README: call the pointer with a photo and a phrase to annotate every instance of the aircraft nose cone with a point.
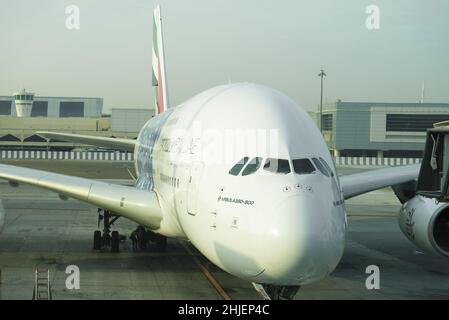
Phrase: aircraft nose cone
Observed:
(305, 242)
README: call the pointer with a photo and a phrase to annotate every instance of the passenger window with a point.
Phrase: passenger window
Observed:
(327, 166)
(321, 167)
(277, 165)
(238, 166)
(252, 166)
(303, 166)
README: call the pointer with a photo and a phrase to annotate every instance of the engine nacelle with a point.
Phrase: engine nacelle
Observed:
(426, 223)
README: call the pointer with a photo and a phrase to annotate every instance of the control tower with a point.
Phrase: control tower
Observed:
(24, 102)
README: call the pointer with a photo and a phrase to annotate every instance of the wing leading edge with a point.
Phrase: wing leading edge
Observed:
(358, 183)
(104, 142)
(140, 206)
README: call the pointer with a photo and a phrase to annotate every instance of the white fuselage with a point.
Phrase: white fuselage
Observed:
(266, 227)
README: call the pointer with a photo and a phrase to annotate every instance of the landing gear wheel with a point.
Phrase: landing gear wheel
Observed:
(105, 239)
(161, 242)
(115, 241)
(97, 240)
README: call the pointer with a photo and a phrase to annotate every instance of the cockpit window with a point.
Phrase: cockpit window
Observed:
(321, 167)
(252, 166)
(327, 166)
(277, 166)
(303, 166)
(235, 170)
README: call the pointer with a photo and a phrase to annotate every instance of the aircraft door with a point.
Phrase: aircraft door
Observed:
(196, 171)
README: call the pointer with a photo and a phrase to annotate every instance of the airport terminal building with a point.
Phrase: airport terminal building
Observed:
(60, 107)
(350, 129)
(374, 129)
(23, 113)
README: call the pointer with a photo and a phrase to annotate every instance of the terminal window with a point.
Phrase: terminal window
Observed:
(413, 122)
(327, 121)
(5, 108)
(39, 109)
(71, 109)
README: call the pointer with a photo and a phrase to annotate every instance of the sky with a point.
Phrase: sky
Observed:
(282, 44)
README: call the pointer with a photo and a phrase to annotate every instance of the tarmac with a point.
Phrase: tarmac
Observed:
(43, 230)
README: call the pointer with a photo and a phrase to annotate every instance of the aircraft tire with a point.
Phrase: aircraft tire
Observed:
(115, 241)
(97, 240)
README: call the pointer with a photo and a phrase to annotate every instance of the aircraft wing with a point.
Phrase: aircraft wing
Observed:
(137, 205)
(110, 143)
(358, 183)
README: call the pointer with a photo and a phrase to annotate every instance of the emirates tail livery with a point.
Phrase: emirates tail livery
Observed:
(272, 214)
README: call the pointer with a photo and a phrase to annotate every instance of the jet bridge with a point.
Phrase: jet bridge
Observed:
(433, 180)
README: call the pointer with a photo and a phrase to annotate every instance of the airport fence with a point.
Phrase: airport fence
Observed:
(368, 161)
(127, 156)
(65, 155)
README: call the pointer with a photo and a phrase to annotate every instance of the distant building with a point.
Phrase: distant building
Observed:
(130, 120)
(24, 113)
(376, 129)
(25, 104)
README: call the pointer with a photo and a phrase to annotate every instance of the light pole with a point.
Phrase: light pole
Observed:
(322, 75)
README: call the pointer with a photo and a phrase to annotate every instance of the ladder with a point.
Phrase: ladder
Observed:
(42, 284)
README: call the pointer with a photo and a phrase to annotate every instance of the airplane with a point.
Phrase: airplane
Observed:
(274, 215)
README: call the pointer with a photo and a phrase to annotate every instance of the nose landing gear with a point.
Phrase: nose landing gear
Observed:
(108, 238)
(273, 292)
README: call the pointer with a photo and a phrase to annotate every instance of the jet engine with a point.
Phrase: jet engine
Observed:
(424, 216)
(425, 222)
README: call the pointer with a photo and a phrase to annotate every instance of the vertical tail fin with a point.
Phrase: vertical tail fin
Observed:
(159, 78)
